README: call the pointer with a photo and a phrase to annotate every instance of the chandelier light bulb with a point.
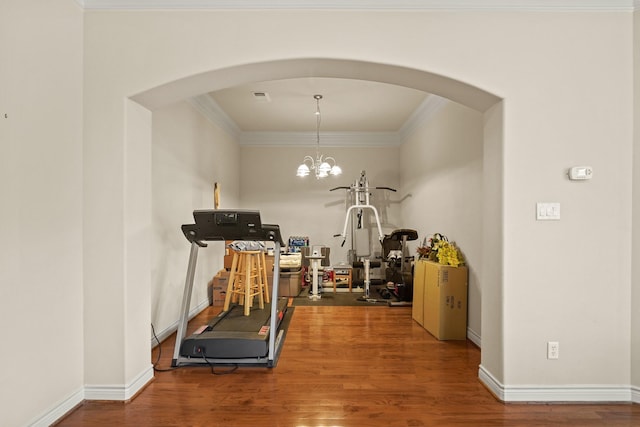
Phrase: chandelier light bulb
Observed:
(324, 167)
(303, 170)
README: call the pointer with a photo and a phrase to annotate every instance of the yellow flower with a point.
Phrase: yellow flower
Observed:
(448, 254)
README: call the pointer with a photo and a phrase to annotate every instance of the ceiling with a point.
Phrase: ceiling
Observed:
(346, 106)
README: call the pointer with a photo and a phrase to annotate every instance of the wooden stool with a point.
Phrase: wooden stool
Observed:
(247, 279)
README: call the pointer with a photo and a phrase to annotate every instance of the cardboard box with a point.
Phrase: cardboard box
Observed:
(417, 306)
(290, 284)
(218, 288)
(269, 263)
(445, 301)
(228, 255)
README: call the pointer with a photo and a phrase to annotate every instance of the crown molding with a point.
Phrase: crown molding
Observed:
(210, 109)
(429, 107)
(327, 139)
(524, 5)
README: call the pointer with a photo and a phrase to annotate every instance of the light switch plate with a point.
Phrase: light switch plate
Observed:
(546, 211)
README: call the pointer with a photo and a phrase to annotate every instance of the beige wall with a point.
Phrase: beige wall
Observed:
(635, 301)
(492, 369)
(441, 168)
(189, 155)
(41, 310)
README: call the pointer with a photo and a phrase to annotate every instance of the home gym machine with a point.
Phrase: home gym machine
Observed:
(231, 338)
(394, 254)
(360, 192)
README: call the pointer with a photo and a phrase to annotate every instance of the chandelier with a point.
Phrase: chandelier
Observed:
(322, 166)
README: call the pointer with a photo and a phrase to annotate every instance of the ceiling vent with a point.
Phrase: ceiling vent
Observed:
(261, 97)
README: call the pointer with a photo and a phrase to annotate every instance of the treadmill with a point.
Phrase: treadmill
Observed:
(231, 338)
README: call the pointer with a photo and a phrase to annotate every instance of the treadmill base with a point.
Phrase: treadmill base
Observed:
(232, 338)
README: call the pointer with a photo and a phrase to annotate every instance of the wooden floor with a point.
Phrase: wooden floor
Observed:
(341, 366)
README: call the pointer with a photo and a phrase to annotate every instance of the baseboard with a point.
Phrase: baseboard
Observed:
(474, 337)
(165, 333)
(123, 393)
(635, 394)
(108, 392)
(489, 381)
(119, 392)
(558, 394)
(59, 410)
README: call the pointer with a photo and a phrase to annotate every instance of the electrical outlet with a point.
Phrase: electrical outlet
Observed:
(553, 350)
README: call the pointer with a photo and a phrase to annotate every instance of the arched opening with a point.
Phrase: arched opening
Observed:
(213, 80)
(488, 104)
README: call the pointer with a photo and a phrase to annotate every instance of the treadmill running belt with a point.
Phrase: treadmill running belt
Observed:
(233, 335)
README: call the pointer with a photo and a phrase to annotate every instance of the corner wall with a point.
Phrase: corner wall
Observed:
(41, 248)
(441, 171)
(189, 155)
(635, 272)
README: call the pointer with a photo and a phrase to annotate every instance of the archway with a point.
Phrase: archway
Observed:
(461, 92)
(213, 80)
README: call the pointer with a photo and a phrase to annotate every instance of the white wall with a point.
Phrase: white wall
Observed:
(635, 301)
(441, 168)
(551, 69)
(190, 154)
(491, 370)
(41, 308)
(305, 206)
(554, 290)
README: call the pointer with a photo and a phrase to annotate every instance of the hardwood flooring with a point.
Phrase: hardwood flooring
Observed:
(341, 367)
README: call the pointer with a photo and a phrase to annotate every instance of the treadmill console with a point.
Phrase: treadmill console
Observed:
(213, 224)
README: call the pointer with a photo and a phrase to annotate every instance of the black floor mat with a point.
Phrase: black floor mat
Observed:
(329, 298)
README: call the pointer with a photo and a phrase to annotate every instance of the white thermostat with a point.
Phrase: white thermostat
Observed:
(578, 173)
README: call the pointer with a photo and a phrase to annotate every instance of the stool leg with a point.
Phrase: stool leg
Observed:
(247, 286)
(265, 281)
(238, 287)
(258, 278)
(335, 283)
